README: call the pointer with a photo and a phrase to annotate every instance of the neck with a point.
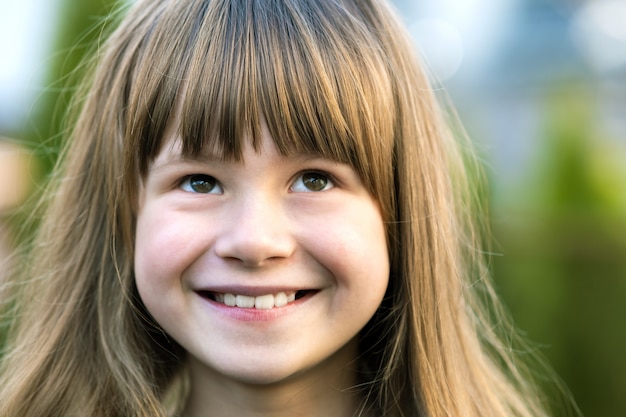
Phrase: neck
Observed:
(327, 390)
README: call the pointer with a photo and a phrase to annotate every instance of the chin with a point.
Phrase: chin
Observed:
(264, 374)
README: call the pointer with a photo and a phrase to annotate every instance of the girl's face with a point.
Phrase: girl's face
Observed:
(262, 269)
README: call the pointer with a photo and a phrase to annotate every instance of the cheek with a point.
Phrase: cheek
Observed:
(371, 257)
(148, 264)
(163, 247)
(354, 249)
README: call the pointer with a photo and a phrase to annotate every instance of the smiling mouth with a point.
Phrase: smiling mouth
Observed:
(261, 302)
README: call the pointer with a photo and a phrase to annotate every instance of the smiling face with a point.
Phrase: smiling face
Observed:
(262, 269)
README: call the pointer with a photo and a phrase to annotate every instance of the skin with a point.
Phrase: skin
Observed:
(268, 224)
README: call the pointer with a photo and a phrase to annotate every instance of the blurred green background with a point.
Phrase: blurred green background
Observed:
(541, 87)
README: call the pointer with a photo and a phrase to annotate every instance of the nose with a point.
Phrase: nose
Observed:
(255, 233)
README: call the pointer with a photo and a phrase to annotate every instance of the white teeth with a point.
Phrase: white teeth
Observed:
(280, 299)
(230, 300)
(262, 302)
(244, 301)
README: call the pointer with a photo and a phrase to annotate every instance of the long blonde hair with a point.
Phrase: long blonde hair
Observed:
(339, 78)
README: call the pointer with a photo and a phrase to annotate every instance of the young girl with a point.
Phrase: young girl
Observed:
(260, 212)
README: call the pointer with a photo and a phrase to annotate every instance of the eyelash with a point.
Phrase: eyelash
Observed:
(328, 181)
(320, 179)
(186, 184)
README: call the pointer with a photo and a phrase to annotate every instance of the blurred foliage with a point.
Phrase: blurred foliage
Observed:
(563, 273)
(77, 33)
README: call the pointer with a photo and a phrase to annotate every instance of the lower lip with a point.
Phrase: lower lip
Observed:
(257, 315)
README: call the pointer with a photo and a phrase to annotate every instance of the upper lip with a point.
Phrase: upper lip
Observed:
(251, 291)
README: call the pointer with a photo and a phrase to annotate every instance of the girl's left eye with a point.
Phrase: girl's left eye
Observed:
(201, 184)
(310, 182)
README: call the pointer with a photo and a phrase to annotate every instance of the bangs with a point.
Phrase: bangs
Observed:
(313, 72)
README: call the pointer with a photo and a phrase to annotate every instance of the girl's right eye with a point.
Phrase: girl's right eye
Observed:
(201, 184)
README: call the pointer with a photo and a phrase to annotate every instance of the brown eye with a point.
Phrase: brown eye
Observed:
(201, 184)
(312, 182)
